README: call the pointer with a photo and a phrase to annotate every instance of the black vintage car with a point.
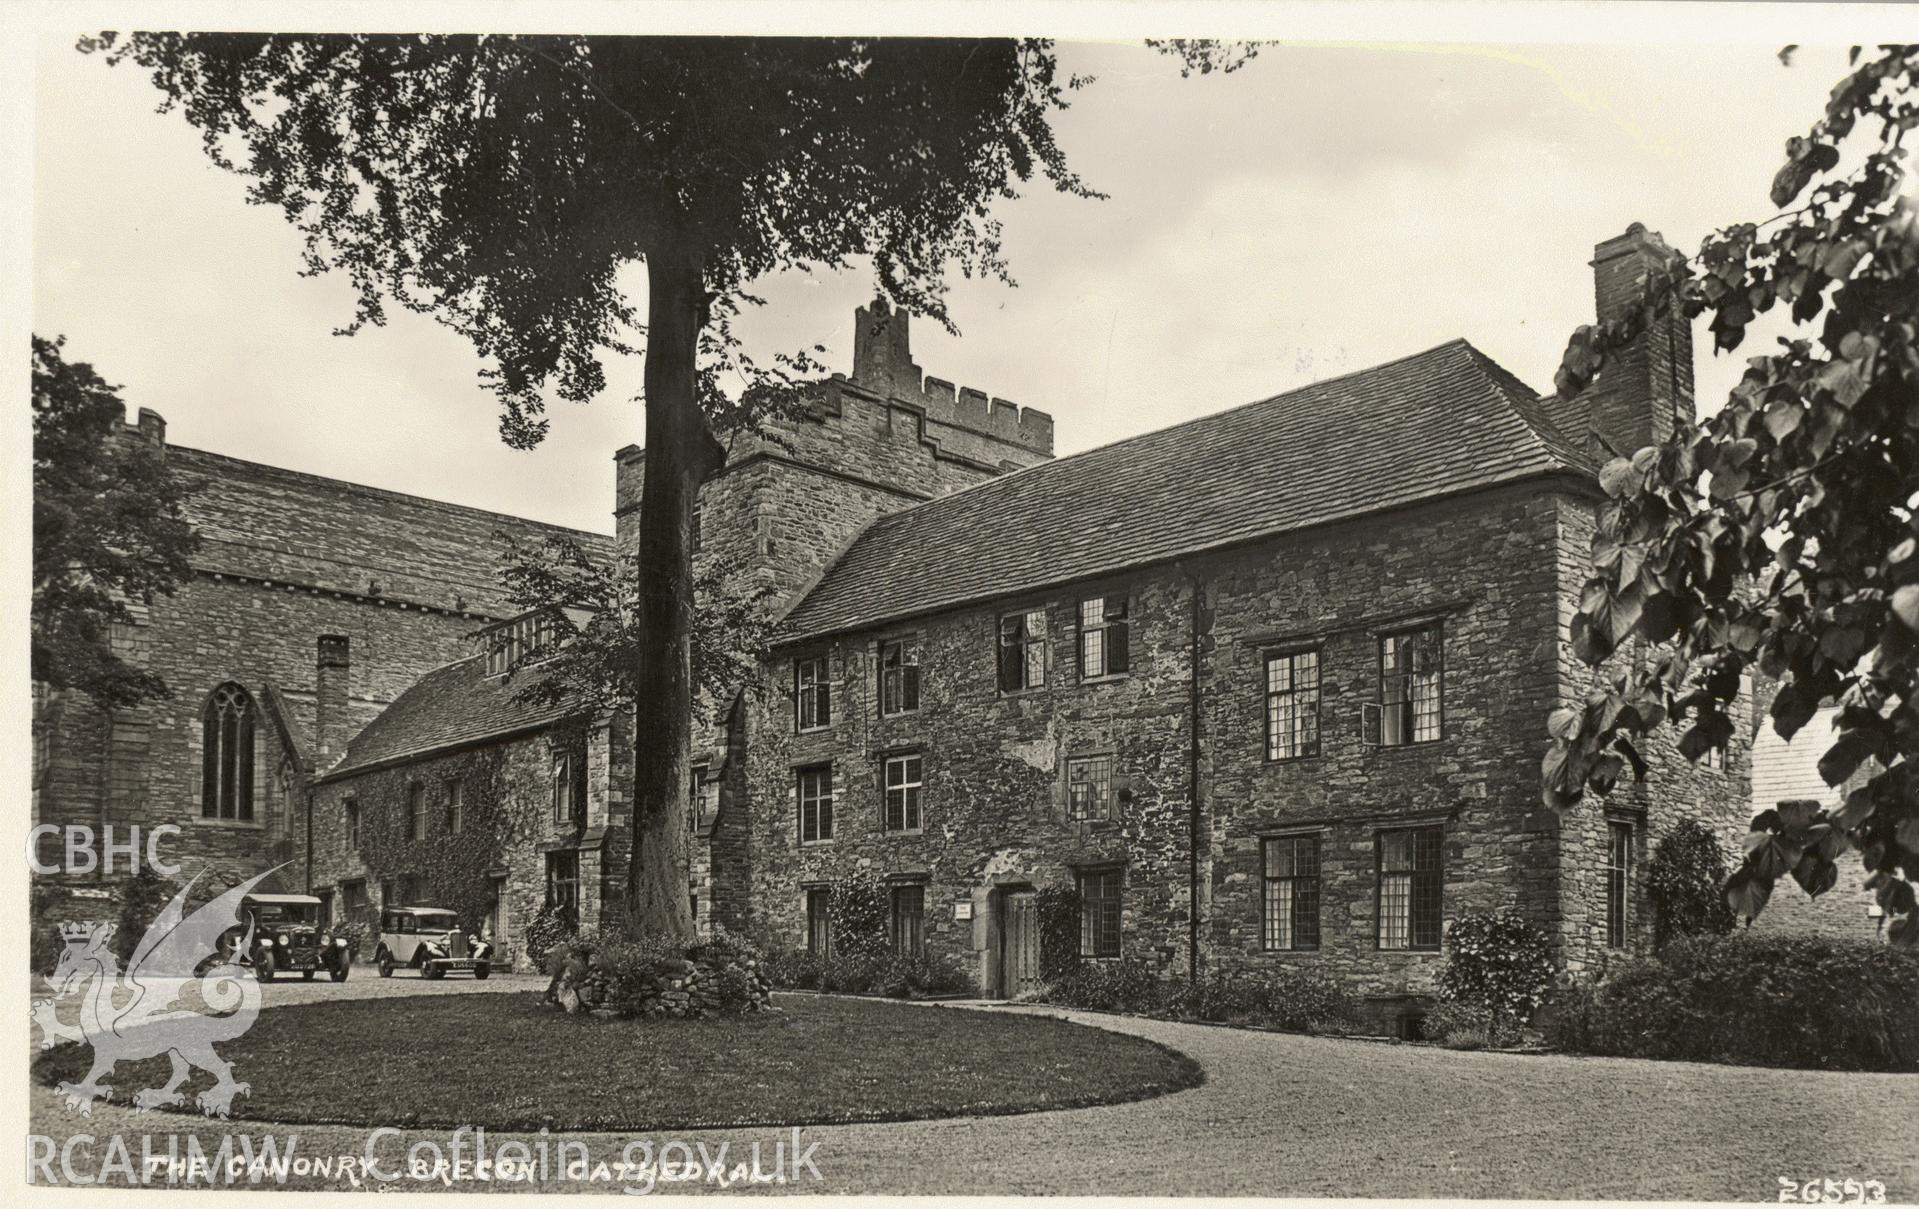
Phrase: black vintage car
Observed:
(287, 937)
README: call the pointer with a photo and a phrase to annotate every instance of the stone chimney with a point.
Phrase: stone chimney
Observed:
(153, 428)
(1645, 389)
(882, 351)
(331, 727)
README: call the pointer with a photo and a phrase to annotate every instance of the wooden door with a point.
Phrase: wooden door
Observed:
(1018, 943)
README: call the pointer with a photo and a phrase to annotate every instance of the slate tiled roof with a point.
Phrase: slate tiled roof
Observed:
(292, 527)
(1436, 423)
(447, 707)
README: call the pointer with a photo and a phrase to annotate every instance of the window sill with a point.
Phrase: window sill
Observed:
(1108, 678)
(1312, 952)
(1420, 745)
(816, 843)
(896, 715)
(1407, 952)
(1273, 762)
(234, 824)
(1008, 694)
(813, 730)
(891, 832)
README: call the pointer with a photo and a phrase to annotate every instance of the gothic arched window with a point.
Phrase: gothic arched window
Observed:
(226, 754)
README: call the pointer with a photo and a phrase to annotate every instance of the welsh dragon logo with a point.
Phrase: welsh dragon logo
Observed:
(136, 1014)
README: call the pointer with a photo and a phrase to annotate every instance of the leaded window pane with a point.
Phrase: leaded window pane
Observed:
(1292, 705)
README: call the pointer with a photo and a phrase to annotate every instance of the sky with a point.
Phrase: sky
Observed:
(1324, 209)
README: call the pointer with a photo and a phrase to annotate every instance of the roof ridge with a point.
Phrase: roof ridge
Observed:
(974, 488)
(388, 492)
(438, 711)
(1431, 424)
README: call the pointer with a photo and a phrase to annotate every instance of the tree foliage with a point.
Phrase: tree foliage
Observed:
(1204, 56)
(1779, 534)
(1685, 879)
(503, 184)
(585, 652)
(108, 529)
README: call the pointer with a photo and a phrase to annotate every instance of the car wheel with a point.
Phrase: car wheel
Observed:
(386, 965)
(338, 972)
(307, 974)
(433, 970)
(263, 969)
(482, 970)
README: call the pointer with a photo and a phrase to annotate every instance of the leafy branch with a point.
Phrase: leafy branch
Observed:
(1778, 535)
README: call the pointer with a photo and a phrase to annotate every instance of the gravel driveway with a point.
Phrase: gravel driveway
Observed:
(1279, 1116)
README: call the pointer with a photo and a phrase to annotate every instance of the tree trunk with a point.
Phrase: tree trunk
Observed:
(680, 453)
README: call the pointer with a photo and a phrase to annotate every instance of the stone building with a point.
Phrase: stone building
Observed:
(1787, 771)
(313, 604)
(1267, 688)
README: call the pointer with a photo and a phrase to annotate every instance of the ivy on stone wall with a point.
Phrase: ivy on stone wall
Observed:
(859, 912)
(1685, 880)
(1058, 908)
(502, 802)
(1497, 962)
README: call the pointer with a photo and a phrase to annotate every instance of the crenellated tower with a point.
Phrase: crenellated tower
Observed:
(789, 500)
(884, 438)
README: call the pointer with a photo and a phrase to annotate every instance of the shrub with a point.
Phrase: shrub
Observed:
(142, 897)
(1568, 1026)
(353, 932)
(1498, 962)
(1293, 1000)
(792, 969)
(551, 927)
(918, 977)
(734, 987)
(857, 915)
(1458, 1025)
(1058, 909)
(633, 970)
(868, 974)
(850, 974)
(1685, 882)
(721, 947)
(1309, 1003)
(1216, 996)
(1111, 986)
(1755, 999)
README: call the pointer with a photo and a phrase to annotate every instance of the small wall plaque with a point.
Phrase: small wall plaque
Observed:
(962, 910)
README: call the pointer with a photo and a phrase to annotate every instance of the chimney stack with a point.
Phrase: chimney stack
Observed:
(1645, 390)
(882, 351)
(330, 723)
(153, 428)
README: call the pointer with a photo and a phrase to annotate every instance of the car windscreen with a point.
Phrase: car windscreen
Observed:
(269, 915)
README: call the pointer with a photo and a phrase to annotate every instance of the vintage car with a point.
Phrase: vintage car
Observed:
(282, 935)
(430, 940)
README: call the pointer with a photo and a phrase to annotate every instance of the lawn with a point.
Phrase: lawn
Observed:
(504, 1062)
